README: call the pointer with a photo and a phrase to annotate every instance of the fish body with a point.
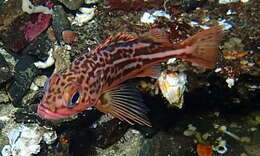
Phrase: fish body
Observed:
(95, 78)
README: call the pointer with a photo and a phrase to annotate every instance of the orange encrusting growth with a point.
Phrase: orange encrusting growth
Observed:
(204, 150)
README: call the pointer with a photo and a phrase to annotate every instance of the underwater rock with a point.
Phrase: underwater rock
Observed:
(41, 22)
(60, 22)
(4, 70)
(9, 58)
(132, 5)
(25, 72)
(109, 133)
(128, 145)
(20, 28)
(39, 47)
(10, 10)
(72, 5)
(3, 97)
(164, 143)
(25, 140)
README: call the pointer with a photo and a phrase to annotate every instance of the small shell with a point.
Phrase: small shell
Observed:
(87, 10)
(82, 18)
(173, 86)
(69, 36)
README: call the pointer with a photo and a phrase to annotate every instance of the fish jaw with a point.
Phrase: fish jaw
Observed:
(45, 113)
(60, 113)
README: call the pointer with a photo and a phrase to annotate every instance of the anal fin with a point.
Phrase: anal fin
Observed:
(115, 38)
(125, 103)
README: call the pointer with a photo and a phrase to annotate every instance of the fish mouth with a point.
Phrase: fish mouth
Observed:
(45, 113)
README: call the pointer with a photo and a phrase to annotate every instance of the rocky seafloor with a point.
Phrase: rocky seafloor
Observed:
(221, 109)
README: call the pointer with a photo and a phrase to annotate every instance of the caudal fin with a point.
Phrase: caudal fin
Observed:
(204, 49)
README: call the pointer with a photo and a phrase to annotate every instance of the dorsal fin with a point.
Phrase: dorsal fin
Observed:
(115, 38)
(157, 35)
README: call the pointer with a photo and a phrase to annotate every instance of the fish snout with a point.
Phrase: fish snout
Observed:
(46, 113)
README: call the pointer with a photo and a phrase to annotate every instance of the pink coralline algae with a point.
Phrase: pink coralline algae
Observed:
(37, 25)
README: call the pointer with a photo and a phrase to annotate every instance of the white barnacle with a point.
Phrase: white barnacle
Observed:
(173, 86)
(226, 25)
(24, 140)
(85, 15)
(190, 131)
(49, 62)
(28, 7)
(230, 82)
(150, 18)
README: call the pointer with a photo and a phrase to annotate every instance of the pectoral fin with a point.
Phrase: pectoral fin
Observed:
(125, 103)
(153, 72)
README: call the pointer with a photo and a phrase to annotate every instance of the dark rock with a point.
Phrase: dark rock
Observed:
(131, 5)
(5, 73)
(167, 144)
(18, 28)
(109, 133)
(60, 22)
(25, 72)
(39, 47)
(4, 99)
(10, 10)
(72, 5)
(189, 5)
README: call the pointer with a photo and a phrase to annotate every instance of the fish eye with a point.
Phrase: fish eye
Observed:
(74, 99)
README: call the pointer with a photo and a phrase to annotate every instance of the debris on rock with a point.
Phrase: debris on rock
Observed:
(151, 18)
(25, 140)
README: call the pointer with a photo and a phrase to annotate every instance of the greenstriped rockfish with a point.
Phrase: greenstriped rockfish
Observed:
(97, 78)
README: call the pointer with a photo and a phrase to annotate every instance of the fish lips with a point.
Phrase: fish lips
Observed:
(45, 113)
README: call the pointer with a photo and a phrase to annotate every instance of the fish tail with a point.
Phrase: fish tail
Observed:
(202, 48)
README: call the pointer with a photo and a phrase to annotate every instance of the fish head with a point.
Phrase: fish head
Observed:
(61, 99)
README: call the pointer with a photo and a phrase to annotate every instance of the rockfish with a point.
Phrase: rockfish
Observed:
(97, 78)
